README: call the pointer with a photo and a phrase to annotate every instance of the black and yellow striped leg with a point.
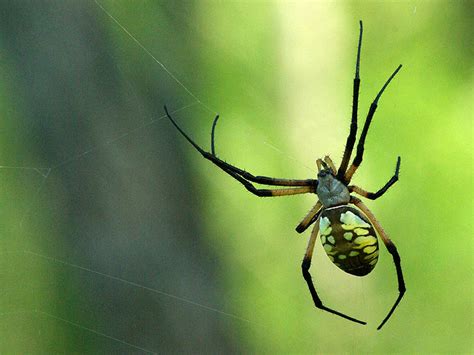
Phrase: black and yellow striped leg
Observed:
(375, 195)
(310, 218)
(360, 145)
(392, 249)
(307, 276)
(265, 180)
(355, 103)
(270, 192)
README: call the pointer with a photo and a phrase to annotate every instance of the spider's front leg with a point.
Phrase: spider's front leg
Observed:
(246, 178)
(360, 146)
(270, 192)
(307, 276)
(376, 195)
(355, 104)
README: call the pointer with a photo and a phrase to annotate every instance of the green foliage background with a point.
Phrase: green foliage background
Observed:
(280, 74)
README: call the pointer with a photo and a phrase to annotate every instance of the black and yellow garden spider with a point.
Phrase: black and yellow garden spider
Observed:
(347, 234)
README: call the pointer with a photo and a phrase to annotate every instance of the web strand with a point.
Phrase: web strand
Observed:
(76, 325)
(44, 172)
(90, 330)
(116, 139)
(136, 285)
(190, 93)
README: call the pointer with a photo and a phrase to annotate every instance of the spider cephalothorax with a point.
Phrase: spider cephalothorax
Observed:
(348, 234)
(331, 191)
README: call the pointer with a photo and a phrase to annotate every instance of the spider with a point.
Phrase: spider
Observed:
(348, 234)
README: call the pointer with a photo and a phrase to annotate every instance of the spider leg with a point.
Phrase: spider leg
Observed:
(264, 180)
(329, 162)
(214, 123)
(270, 192)
(307, 276)
(310, 218)
(360, 146)
(392, 249)
(375, 195)
(355, 104)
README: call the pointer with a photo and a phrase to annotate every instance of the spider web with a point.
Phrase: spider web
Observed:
(108, 291)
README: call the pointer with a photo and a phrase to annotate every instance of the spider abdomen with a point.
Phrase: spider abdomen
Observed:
(349, 239)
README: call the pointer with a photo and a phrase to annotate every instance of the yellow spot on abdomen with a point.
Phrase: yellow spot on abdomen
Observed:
(361, 231)
(350, 221)
(329, 249)
(372, 256)
(325, 226)
(370, 250)
(348, 235)
(365, 241)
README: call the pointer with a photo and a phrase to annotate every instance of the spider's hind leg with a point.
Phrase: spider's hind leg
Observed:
(307, 276)
(392, 249)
